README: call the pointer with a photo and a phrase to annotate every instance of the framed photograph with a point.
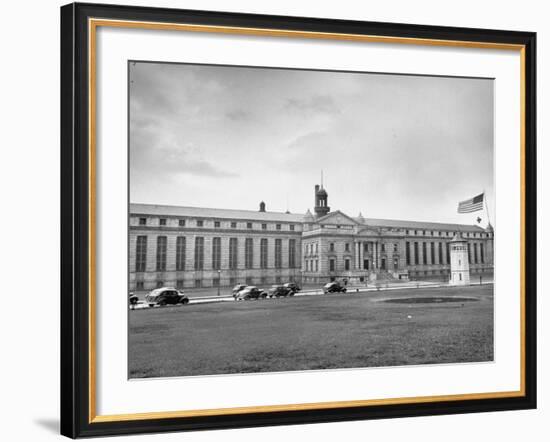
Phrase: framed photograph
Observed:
(273, 220)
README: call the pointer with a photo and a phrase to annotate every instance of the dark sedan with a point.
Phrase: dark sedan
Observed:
(334, 287)
(164, 296)
(293, 286)
(133, 299)
(250, 292)
(277, 291)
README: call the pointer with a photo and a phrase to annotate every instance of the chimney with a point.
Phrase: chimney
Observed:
(262, 206)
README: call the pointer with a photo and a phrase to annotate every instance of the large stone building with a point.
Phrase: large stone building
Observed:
(201, 247)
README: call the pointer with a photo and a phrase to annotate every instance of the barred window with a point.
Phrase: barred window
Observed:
(142, 221)
(161, 253)
(278, 253)
(263, 253)
(200, 223)
(248, 225)
(248, 253)
(216, 253)
(162, 221)
(232, 253)
(331, 247)
(216, 224)
(331, 265)
(141, 253)
(278, 226)
(181, 223)
(180, 253)
(424, 254)
(199, 253)
(264, 226)
(292, 227)
(292, 253)
(408, 253)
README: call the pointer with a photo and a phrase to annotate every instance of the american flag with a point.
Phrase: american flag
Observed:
(472, 205)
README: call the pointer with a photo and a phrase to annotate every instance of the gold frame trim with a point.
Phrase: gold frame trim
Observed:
(93, 24)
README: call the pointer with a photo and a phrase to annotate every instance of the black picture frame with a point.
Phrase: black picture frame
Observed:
(76, 219)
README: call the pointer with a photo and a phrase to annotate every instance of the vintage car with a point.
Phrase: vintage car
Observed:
(277, 291)
(164, 296)
(133, 298)
(334, 287)
(237, 289)
(250, 292)
(293, 286)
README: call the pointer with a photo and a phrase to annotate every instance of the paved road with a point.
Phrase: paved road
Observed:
(319, 291)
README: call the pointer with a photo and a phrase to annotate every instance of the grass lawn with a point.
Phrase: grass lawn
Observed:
(312, 332)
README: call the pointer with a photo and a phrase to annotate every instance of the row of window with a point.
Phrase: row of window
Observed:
(143, 221)
(312, 248)
(449, 234)
(412, 253)
(312, 265)
(217, 224)
(198, 262)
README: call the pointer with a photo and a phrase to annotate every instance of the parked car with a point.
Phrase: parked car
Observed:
(251, 292)
(279, 290)
(237, 289)
(293, 286)
(133, 298)
(164, 296)
(334, 287)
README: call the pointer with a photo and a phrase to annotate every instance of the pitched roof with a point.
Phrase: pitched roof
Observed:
(204, 212)
(404, 224)
(252, 215)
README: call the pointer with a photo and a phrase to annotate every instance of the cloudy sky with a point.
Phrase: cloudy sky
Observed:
(390, 146)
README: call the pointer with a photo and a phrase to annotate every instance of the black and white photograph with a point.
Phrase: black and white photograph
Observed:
(291, 219)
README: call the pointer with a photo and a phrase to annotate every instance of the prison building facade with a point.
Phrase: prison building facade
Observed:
(191, 247)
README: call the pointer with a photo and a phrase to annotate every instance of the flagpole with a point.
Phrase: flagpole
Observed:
(486, 206)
